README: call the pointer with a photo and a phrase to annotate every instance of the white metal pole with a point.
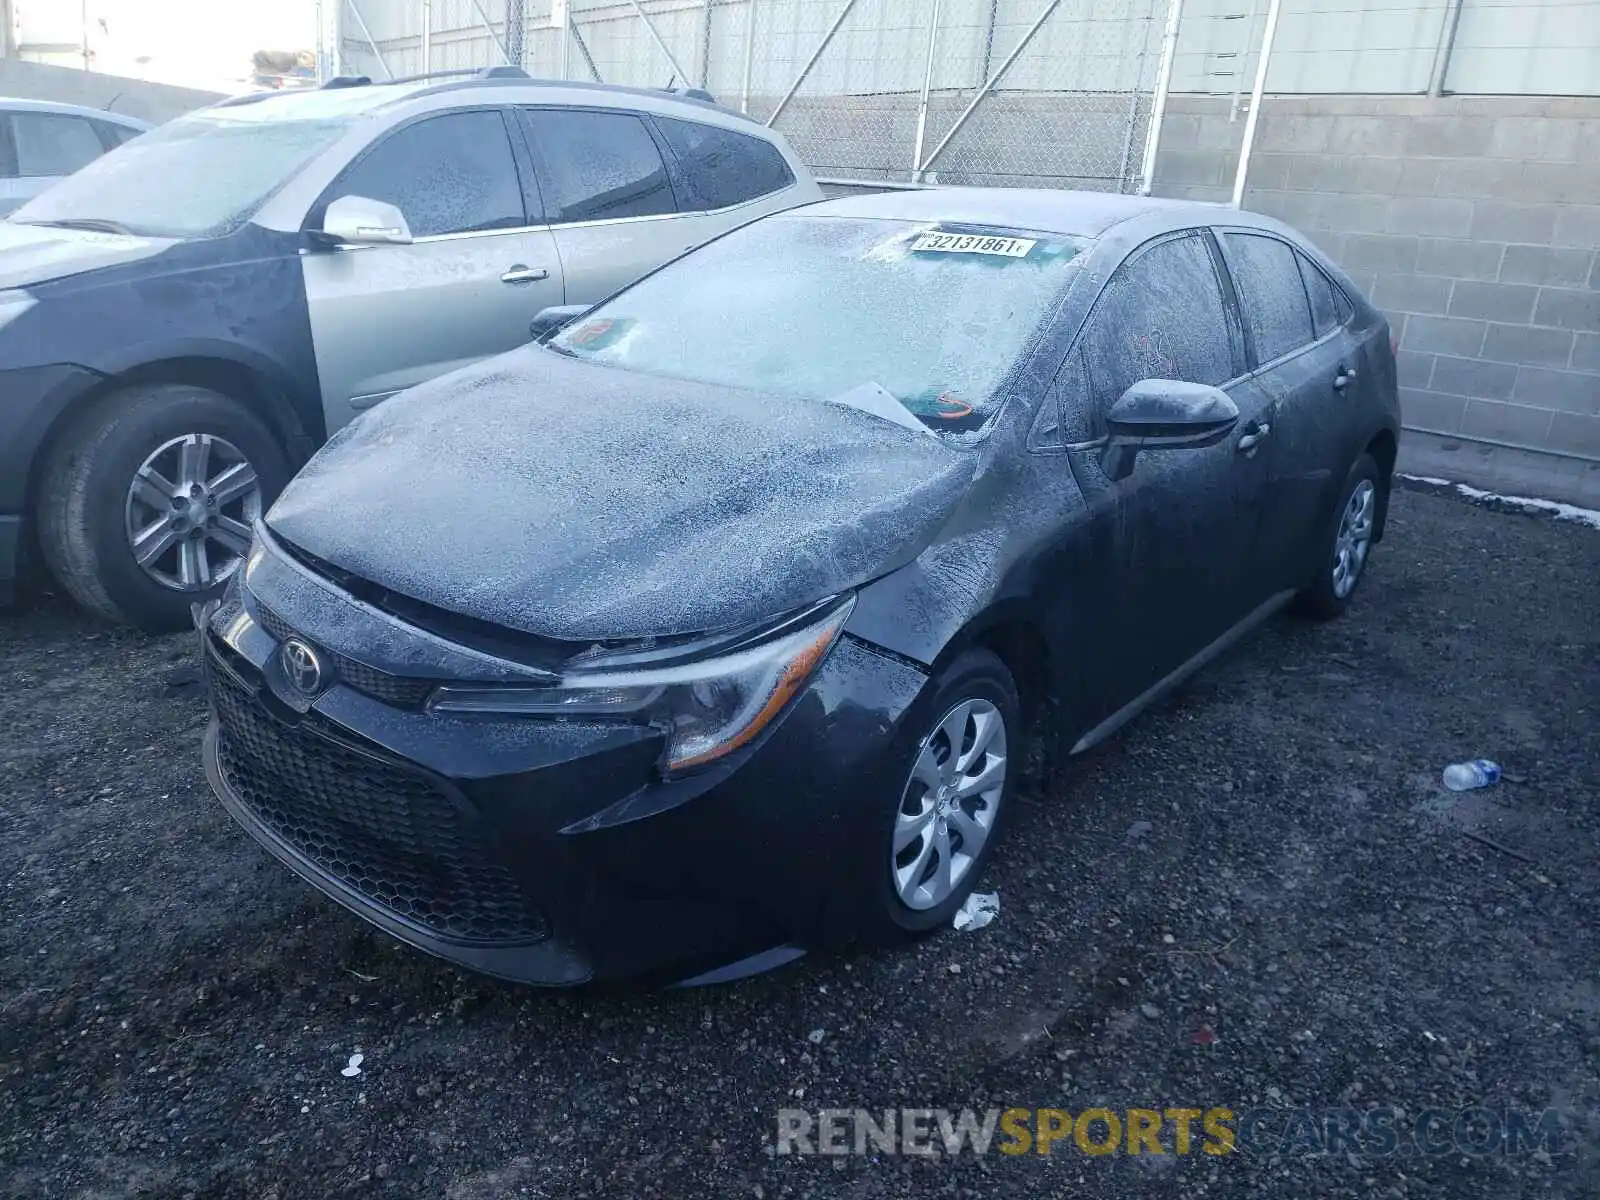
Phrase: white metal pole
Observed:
(922, 103)
(1265, 60)
(1441, 54)
(749, 55)
(1158, 109)
(563, 14)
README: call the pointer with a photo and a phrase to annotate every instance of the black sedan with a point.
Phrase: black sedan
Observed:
(710, 628)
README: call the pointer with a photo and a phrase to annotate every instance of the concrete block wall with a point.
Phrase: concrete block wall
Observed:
(1474, 223)
(154, 102)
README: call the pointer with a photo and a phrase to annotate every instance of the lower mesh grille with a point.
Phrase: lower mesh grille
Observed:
(400, 838)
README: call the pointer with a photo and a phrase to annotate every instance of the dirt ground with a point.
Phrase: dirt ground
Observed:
(1257, 895)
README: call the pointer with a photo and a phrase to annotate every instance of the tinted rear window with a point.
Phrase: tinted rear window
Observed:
(721, 167)
(1328, 304)
(599, 165)
(1267, 277)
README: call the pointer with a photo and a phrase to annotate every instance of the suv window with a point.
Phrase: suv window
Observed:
(1328, 305)
(53, 144)
(722, 167)
(1160, 317)
(600, 165)
(452, 173)
(1267, 277)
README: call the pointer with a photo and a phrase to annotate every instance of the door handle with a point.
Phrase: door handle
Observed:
(1343, 378)
(521, 274)
(1249, 442)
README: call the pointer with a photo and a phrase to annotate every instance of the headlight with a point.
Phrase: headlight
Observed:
(708, 708)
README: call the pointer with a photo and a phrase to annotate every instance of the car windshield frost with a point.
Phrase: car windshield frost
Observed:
(201, 175)
(818, 307)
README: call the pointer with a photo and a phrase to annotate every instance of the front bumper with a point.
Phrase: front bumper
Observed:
(545, 851)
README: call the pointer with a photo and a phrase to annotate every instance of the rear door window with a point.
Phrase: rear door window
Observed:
(1162, 316)
(599, 165)
(1329, 308)
(53, 143)
(1266, 275)
(721, 167)
(447, 174)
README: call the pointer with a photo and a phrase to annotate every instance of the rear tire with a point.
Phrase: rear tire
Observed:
(976, 696)
(1346, 540)
(90, 511)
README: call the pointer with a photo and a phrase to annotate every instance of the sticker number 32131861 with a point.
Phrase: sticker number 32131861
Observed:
(973, 243)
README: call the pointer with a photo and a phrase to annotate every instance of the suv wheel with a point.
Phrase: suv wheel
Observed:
(149, 498)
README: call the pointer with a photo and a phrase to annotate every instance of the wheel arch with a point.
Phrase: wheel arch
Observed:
(258, 385)
(1010, 631)
(1384, 446)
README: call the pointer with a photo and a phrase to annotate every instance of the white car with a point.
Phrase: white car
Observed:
(42, 142)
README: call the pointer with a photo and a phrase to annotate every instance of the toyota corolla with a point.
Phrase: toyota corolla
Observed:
(711, 626)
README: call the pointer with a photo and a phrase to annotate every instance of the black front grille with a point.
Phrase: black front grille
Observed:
(401, 838)
(398, 690)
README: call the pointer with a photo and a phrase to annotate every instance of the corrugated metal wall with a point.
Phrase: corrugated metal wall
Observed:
(1500, 47)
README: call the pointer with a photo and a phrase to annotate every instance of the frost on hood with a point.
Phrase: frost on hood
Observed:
(581, 502)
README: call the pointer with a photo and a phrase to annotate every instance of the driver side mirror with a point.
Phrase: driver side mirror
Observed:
(360, 221)
(552, 320)
(1164, 414)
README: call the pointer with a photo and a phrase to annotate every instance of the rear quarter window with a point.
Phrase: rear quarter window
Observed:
(1329, 307)
(722, 167)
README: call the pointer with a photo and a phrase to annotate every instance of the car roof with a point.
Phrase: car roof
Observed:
(356, 94)
(1050, 210)
(23, 104)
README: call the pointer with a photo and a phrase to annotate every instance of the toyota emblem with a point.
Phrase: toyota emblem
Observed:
(301, 667)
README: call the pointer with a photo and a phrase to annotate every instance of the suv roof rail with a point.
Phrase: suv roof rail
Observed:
(503, 72)
(691, 93)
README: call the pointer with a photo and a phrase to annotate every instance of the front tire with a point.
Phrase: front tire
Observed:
(960, 756)
(1346, 543)
(148, 499)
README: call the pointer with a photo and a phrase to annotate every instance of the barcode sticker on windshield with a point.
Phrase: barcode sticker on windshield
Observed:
(974, 243)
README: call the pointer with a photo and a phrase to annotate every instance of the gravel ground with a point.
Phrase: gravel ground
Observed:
(1257, 895)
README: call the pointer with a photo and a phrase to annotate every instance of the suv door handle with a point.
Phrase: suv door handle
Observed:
(1343, 378)
(521, 274)
(1257, 435)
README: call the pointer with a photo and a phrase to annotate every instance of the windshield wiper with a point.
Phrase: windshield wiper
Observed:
(93, 224)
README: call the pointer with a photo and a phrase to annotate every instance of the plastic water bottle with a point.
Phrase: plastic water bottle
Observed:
(1464, 776)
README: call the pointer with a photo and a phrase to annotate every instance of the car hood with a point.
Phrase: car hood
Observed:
(39, 253)
(587, 503)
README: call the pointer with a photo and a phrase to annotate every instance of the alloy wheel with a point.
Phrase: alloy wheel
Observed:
(189, 512)
(1354, 539)
(949, 804)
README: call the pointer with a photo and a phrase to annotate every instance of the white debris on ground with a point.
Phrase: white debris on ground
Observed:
(354, 1067)
(1528, 504)
(978, 911)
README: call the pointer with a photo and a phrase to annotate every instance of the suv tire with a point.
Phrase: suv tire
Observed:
(187, 445)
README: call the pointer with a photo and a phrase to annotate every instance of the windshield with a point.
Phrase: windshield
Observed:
(827, 307)
(201, 175)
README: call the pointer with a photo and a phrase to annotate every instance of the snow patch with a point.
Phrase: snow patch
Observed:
(1527, 504)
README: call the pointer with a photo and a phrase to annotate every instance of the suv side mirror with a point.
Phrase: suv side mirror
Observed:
(552, 320)
(1164, 414)
(360, 221)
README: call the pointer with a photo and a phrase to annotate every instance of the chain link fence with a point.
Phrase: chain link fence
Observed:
(998, 92)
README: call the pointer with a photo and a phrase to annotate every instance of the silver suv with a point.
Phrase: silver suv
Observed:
(191, 315)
